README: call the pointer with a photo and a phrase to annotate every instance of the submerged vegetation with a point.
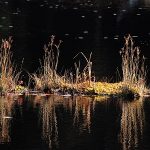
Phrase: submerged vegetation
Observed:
(80, 81)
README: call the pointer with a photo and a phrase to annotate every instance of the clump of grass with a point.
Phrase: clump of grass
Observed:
(8, 74)
(134, 74)
(48, 76)
(82, 81)
(133, 66)
(110, 89)
(86, 74)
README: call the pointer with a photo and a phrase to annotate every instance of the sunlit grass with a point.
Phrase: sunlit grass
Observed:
(104, 88)
(82, 82)
(48, 76)
(8, 74)
(133, 66)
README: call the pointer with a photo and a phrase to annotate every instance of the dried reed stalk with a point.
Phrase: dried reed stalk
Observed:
(8, 74)
(133, 65)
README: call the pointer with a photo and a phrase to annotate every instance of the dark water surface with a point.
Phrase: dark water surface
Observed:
(83, 25)
(78, 123)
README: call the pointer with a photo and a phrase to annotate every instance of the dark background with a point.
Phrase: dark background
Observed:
(88, 26)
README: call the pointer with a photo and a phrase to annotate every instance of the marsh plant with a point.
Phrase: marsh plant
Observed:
(48, 76)
(8, 74)
(133, 66)
(80, 80)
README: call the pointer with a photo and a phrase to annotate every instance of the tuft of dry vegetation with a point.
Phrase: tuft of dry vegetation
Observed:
(81, 81)
(48, 76)
(133, 66)
(8, 74)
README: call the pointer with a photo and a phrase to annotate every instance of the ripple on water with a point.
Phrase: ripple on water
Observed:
(6, 2)
(41, 5)
(105, 37)
(50, 6)
(134, 36)
(56, 5)
(85, 32)
(3, 17)
(10, 26)
(15, 13)
(114, 14)
(99, 17)
(66, 34)
(75, 8)
(80, 37)
(82, 16)
(95, 11)
(116, 37)
(124, 10)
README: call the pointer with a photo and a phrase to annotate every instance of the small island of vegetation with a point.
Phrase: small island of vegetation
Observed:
(80, 82)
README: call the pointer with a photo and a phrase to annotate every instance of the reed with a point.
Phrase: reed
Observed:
(8, 73)
(133, 66)
(85, 75)
(81, 80)
(48, 76)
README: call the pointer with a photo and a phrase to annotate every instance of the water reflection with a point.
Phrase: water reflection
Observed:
(84, 107)
(79, 108)
(6, 105)
(49, 122)
(132, 124)
(76, 117)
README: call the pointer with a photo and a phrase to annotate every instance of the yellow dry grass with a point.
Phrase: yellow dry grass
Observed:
(133, 71)
(8, 75)
(112, 88)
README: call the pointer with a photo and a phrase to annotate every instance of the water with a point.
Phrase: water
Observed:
(79, 123)
(57, 122)
(86, 26)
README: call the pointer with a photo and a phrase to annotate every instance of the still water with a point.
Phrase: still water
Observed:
(78, 123)
(96, 26)
(73, 123)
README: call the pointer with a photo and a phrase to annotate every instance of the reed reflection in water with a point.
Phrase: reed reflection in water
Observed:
(6, 110)
(84, 107)
(79, 108)
(132, 124)
(49, 122)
